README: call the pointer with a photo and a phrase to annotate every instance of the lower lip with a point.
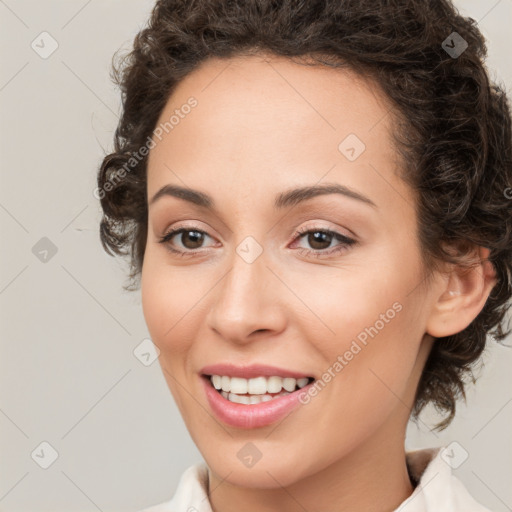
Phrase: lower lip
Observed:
(251, 415)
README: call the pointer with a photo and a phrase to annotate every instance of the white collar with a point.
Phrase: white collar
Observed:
(437, 490)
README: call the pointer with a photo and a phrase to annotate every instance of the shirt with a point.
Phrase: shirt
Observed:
(437, 490)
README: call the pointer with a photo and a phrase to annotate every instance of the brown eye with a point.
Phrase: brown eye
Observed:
(190, 240)
(319, 240)
(192, 237)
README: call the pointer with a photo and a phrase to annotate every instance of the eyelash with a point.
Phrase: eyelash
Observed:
(345, 241)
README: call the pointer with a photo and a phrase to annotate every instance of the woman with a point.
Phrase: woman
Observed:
(342, 167)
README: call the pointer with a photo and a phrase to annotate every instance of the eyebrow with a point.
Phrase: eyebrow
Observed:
(285, 199)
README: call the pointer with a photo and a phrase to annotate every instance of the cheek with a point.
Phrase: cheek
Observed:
(376, 326)
(164, 306)
(358, 306)
(374, 360)
(153, 298)
(165, 309)
(366, 285)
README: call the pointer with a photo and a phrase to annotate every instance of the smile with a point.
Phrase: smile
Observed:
(252, 397)
(256, 390)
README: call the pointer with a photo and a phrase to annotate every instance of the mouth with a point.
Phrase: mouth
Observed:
(255, 390)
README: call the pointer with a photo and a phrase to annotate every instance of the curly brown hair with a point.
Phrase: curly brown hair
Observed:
(453, 130)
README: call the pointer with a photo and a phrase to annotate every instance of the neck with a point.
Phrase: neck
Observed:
(373, 478)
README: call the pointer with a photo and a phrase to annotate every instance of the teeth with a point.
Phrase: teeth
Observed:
(237, 399)
(274, 384)
(289, 384)
(251, 399)
(216, 381)
(302, 382)
(257, 387)
(238, 385)
(226, 383)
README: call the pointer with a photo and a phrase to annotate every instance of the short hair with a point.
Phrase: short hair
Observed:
(452, 126)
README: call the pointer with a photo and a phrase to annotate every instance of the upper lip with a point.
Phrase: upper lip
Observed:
(250, 371)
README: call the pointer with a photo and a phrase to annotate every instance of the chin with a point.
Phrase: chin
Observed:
(270, 474)
(272, 466)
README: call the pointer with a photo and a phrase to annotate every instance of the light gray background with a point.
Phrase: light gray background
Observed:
(68, 331)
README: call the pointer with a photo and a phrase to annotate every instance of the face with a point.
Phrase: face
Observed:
(269, 283)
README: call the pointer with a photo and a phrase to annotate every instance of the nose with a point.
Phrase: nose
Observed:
(247, 302)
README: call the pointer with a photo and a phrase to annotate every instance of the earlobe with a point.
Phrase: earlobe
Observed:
(463, 295)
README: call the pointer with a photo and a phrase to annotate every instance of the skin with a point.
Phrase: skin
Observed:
(263, 125)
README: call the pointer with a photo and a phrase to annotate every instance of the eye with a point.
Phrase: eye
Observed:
(321, 239)
(191, 238)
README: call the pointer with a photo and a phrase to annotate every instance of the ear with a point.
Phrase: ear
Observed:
(463, 294)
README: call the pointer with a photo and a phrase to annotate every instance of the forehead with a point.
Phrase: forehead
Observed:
(262, 119)
(252, 87)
